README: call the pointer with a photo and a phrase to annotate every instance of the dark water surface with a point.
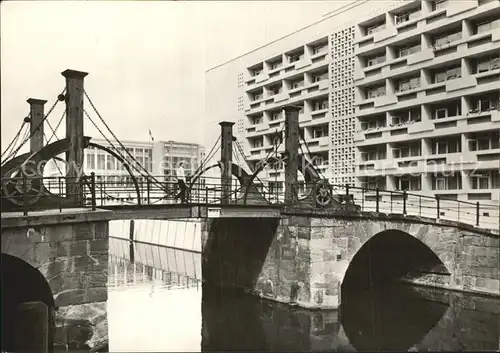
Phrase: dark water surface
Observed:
(156, 303)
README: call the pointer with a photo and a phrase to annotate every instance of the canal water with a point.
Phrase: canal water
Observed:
(156, 303)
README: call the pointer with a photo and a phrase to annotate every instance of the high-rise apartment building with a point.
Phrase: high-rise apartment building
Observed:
(392, 94)
(427, 98)
(312, 68)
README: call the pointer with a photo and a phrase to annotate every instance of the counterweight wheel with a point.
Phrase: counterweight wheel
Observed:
(323, 194)
(13, 188)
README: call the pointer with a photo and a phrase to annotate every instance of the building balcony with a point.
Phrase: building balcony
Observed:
(421, 56)
(319, 54)
(385, 100)
(302, 63)
(384, 34)
(456, 7)
(414, 17)
(461, 83)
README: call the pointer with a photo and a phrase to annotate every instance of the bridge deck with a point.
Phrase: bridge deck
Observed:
(179, 211)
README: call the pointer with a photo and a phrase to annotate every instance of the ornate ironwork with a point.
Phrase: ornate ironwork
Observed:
(22, 177)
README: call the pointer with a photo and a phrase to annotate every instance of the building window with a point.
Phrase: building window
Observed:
(90, 161)
(101, 162)
(446, 74)
(452, 145)
(451, 109)
(406, 16)
(373, 92)
(296, 84)
(480, 180)
(495, 179)
(374, 28)
(373, 183)
(256, 96)
(373, 123)
(110, 162)
(275, 115)
(486, 103)
(409, 150)
(318, 132)
(445, 39)
(407, 84)
(320, 105)
(453, 182)
(408, 183)
(320, 48)
(405, 117)
(257, 143)
(373, 155)
(484, 142)
(487, 63)
(486, 25)
(408, 50)
(256, 120)
(140, 161)
(375, 59)
(295, 57)
(276, 65)
(439, 5)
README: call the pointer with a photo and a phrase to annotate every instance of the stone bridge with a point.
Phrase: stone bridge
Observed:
(308, 258)
(60, 259)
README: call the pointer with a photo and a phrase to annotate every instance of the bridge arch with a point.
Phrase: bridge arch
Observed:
(21, 283)
(390, 255)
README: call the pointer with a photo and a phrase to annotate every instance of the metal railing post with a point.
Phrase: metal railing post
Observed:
(377, 195)
(437, 206)
(346, 193)
(25, 196)
(390, 195)
(206, 195)
(148, 187)
(60, 193)
(314, 193)
(404, 201)
(100, 192)
(92, 190)
(420, 205)
(477, 213)
(363, 200)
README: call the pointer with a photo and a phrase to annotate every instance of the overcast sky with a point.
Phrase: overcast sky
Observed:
(146, 60)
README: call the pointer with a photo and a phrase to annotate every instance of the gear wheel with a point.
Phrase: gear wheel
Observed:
(13, 188)
(323, 194)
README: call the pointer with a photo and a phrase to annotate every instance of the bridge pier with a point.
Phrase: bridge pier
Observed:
(60, 259)
(292, 153)
(226, 156)
(74, 132)
(36, 124)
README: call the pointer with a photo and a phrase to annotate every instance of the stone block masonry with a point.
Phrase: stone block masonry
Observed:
(70, 250)
(304, 259)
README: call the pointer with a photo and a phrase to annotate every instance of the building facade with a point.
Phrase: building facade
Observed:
(395, 95)
(159, 159)
(427, 99)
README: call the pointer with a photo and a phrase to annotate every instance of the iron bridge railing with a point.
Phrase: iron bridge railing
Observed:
(34, 193)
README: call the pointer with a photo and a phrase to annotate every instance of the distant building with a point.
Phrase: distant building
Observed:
(159, 159)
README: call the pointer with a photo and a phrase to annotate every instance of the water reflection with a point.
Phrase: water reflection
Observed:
(156, 304)
(398, 318)
(154, 298)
